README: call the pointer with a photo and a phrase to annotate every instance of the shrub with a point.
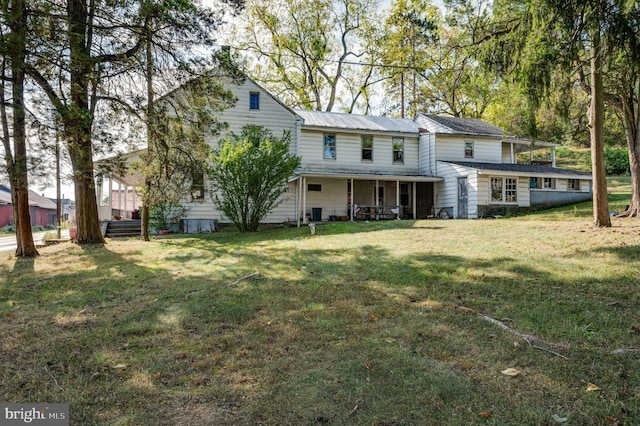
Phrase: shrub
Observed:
(616, 161)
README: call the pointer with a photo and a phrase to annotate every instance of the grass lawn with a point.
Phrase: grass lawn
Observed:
(362, 324)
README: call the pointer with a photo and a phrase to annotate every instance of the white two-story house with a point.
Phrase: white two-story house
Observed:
(356, 167)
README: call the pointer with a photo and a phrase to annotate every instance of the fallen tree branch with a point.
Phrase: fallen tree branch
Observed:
(239, 280)
(46, 370)
(355, 408)
(526, 337)
(625, 351)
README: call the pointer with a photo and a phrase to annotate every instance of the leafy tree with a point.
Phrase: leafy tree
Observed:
(528, 40)
(409, 31)
(249, 175)
(174, 164)
(305, 50)
(91, 62)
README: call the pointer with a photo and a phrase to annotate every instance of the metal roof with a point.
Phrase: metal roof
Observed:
(521, 168)
(457, 125)
(334, 120)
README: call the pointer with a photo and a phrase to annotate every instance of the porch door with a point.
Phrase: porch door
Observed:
(380, 198)
(424, 199)
(463, 198)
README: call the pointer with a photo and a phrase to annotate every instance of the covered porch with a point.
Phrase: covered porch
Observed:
(116, 189)
(330, 196)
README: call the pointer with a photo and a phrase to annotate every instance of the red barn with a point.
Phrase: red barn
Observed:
(42, 209)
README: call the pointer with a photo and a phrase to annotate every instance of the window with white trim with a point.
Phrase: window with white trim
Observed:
(534, 183)
(504, 190)
(549, 183)
(573, 184)
(468, 149)
(329, 150)
(367, 148)
(254, 100)
(398, 150)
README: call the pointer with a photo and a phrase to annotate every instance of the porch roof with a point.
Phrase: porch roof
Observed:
(520, 169)
(367, 175)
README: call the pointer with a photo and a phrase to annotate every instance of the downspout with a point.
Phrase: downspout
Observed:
(553, 156)
(352, 198)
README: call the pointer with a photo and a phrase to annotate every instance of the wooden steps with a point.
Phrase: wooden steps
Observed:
(123, 228)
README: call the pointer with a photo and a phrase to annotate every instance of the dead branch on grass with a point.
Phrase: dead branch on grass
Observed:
(239, 280)
(46, 370)
(526, 337)
(624, 351)
(355, 408)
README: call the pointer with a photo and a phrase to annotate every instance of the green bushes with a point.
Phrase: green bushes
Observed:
(616, 161)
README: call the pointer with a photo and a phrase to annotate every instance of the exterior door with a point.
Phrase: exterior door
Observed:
(424, 200)
(463, 198)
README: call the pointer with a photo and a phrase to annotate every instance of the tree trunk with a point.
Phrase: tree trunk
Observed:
(8, 157)
(631, 120)
(16, 42)
(596, 130)
(78, 126)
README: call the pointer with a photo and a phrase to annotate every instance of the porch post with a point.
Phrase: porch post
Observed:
(126, 199)
(119, 199)
(110, 198)
(304, 201)
(376, 193)
(414, 201)
(352, 208)
(512, 156)
(398, 199)
(298, 200)
(553, 156)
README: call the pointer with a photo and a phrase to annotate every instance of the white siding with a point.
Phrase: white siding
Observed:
(272, 115)
(349, 152)
(332, 199)
(426, 144)
(484, 150)
(447, 190)
(484, 190)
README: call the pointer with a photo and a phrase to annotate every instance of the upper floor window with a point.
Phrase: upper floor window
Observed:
(504, 190)
(398, 150)
(314, 187)
(197, 186)
(367, 148)
(468, 150)
(329, 150)
(573, 184)
(549, 183)
(254, 100)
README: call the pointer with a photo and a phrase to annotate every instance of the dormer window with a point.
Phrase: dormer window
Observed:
(468, 150)
(254, 100)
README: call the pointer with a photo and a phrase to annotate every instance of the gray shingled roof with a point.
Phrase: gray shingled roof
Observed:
(473, 126)
(521, 168)
(334, 120)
